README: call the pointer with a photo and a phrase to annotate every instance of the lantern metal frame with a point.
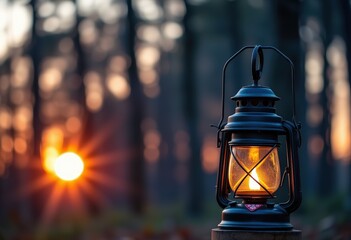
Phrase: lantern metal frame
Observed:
(245, 130)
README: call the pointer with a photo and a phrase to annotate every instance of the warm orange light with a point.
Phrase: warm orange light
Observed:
(50, 155)
(51, 144)
(253, 185)
(68, 166)
(266, 172)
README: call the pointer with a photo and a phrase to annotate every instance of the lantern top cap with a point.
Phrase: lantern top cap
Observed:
(255, 91)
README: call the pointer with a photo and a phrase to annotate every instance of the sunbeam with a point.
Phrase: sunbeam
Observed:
(52, 204)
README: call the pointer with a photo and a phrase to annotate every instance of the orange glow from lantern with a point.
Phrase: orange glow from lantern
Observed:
(253, 185)
(266, 175)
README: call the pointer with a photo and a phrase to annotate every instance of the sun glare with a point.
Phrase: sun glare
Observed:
(68, 166)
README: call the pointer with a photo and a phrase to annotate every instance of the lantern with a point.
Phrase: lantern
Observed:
(250, 171)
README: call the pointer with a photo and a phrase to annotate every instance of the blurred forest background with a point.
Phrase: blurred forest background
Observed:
(133, 86)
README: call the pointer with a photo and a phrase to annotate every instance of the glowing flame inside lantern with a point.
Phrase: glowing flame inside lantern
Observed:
(253, 185)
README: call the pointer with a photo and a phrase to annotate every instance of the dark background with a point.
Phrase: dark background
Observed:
(133, 86)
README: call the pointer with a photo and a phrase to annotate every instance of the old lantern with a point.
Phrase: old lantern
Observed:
(249, 167)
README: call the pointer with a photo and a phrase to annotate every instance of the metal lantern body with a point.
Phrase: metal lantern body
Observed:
(249, 168)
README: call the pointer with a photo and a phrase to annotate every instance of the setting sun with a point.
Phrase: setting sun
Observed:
(68, 166)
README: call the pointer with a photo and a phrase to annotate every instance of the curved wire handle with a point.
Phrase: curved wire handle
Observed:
(253, 62)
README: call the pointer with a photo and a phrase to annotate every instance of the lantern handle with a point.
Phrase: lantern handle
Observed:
(220, 125)
(256, 73)
(293, 169)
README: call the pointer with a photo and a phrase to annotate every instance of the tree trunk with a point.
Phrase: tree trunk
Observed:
(86, 116)
(191, 117)
(37, 197)
(345, 8)
(137, 193)
(326, 167)
(288, 16)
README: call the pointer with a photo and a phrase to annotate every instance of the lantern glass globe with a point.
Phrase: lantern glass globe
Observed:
(254, 171)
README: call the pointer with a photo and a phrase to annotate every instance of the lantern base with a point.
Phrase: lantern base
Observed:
(220, 234)
(255, 217)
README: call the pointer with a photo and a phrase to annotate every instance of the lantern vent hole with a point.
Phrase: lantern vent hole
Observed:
(254, 102)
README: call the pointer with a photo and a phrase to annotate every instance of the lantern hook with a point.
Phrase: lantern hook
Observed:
(256, 67)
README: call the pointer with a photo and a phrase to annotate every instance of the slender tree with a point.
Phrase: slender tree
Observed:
(36, 171)
(137, 196)
(191, 115)
(288, 18)
(86, 116)
(326, 167)
(345, 9)
(287, 13)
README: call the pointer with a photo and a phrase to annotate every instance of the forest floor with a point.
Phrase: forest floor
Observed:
(328, 220)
